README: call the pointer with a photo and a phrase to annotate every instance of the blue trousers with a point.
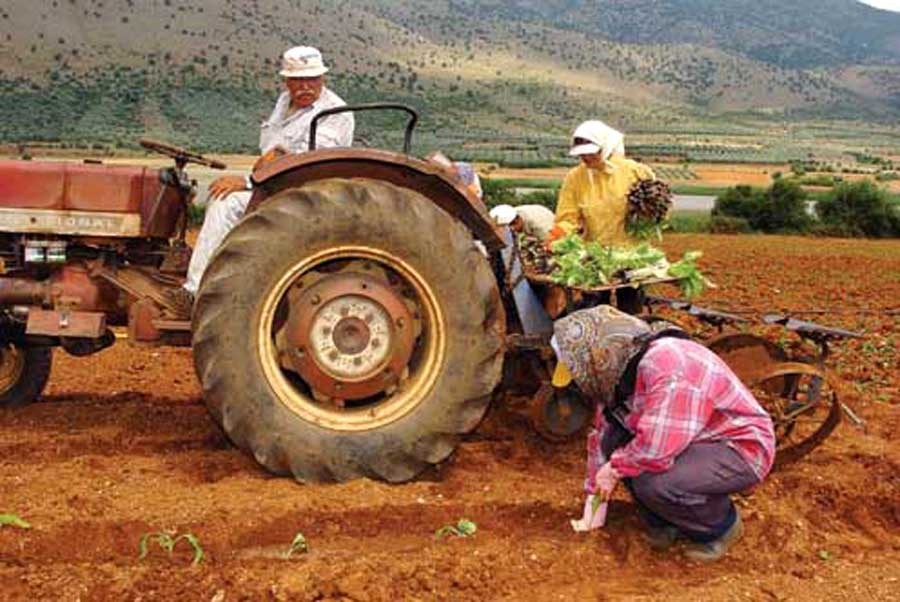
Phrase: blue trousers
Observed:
(693, 495)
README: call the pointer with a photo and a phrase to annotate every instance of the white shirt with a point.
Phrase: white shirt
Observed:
(537, 218)
(292, 131)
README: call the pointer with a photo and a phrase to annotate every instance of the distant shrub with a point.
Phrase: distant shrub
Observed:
(689, 221)
(739, 201)
(859, 209)
(833, 230)
(547, 198)
(724, 224)
(817, 180)
(497, 192)
(780, 208)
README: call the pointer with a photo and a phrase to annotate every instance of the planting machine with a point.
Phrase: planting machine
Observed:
(348, 326)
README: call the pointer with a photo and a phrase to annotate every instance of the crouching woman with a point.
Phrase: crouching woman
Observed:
(673, 422)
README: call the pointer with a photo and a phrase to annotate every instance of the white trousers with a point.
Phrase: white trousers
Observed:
(221, 216)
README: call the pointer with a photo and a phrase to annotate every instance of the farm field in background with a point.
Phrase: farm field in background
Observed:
(122, 445)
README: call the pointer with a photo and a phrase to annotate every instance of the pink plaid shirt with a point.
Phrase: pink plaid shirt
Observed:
(686, 394)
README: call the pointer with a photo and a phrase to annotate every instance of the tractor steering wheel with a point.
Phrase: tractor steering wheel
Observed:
(182, 156)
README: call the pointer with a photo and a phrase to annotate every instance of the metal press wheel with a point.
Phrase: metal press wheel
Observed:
(749, 356)
(803, 404)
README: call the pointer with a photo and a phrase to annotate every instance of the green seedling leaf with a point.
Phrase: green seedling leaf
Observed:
(195, 543)
(13, 520)
(466, 527)
(825, 555)
(167, 542)
(463, 528)
(163, 540)
(445, 531)
(298, 546)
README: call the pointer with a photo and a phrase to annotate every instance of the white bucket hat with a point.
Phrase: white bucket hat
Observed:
(601, 139)
(503, 215)
(302, 61)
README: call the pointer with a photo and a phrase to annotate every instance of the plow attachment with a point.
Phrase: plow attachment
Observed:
(804, 406)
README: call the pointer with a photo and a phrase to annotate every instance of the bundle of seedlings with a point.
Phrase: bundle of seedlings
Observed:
(536, 257)
(649, 203)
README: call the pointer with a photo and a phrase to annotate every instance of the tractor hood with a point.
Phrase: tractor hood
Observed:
(56, 197)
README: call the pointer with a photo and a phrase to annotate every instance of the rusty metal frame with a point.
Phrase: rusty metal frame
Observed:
(433, 181)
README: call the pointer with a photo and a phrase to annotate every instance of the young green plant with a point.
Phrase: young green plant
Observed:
(463, 528)
(168, 541)
(298, 546)
(13, 520)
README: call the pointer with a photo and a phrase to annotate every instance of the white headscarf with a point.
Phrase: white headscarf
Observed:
(601, 139)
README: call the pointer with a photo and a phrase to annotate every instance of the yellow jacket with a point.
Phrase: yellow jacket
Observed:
(595, 201)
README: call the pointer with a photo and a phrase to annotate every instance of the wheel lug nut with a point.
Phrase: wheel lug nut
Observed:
(316, 300)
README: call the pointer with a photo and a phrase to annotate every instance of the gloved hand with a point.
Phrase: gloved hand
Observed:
(555, 234)
(593, 516)
(605, 481)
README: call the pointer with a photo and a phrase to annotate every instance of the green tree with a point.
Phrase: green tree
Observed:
(780, 208)
(860, 209)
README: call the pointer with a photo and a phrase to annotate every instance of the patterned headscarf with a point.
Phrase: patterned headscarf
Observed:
(596, 344)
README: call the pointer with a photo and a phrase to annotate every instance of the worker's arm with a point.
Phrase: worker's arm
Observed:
(222, 186)
(270, 155)
(568, 211)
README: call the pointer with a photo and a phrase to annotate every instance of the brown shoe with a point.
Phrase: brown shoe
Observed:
(714, 550)
(180, 302)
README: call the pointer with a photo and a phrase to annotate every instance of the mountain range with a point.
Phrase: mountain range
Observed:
(96, 72)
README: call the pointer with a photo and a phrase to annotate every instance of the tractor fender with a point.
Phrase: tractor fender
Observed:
(432, 180)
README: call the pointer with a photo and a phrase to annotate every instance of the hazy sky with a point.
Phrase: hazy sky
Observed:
(885, 4)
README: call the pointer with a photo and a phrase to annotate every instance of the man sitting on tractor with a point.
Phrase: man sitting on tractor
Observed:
(285, 131)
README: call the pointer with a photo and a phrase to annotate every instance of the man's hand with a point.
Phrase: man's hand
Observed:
(270, 155)
(225, 185)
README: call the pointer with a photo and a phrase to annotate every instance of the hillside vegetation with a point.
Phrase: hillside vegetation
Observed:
(85, 72)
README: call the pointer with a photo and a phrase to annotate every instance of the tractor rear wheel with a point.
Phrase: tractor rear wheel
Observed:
(348, 328)
(23, 373)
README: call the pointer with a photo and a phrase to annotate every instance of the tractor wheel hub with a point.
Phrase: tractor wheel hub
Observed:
(350, 336)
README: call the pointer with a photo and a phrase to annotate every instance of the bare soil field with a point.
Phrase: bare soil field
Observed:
(121, 445)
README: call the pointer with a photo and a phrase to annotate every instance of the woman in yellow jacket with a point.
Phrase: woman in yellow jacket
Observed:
(593, 199)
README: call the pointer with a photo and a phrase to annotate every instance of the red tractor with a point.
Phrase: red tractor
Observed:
(348, 326)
